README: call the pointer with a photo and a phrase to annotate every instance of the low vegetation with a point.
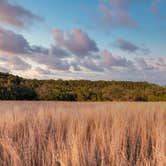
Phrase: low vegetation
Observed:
(82, 134)
(16, 88)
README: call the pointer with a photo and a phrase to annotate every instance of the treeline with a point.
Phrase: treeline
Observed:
(17, 88)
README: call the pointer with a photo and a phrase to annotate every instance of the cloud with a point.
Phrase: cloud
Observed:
(4, 70)
(161, 63)
(59, 52)
(54, 57)
(158, 11)
(91, 64)
(82, 60)
(15, 15)
(17, 63)
(151, 63)
(72, 51)
(13, 43)
(38, 49)
(109, 60)
(152, 69)
(129, 47)
(51, 61)
(143, 65)
(76, 51)
(115, 13)
(76, 41)
(53, 50)
(14, 63)
(43, 71)
(156, 5)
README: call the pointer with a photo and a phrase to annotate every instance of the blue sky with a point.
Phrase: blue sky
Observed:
(109, 39)
(79, 13)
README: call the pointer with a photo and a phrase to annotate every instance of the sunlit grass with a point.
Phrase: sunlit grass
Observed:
(82, 134)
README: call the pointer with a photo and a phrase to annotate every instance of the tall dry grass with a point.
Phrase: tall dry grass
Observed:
(82, 134)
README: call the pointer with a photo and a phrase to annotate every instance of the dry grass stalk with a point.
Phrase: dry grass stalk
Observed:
(82, 134)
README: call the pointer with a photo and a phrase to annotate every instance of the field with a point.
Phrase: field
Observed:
(82, 134)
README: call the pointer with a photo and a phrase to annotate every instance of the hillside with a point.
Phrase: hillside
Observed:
(17, 88)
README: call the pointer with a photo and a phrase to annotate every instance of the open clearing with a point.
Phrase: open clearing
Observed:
(82, 134)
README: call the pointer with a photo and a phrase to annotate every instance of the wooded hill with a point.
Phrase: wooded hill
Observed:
(17, 88)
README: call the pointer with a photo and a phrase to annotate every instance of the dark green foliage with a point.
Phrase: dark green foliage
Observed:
(16, 88)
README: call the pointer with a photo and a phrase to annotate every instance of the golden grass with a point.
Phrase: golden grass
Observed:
(82, 134)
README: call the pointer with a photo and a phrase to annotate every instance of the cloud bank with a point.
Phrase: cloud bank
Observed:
(115, 14)
(15, 15)
(76, 41)
(130, 47)
(75, 54)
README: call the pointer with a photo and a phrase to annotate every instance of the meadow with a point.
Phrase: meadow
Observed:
(82, 134)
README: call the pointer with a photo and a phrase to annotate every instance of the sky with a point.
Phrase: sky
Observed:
(84, 39)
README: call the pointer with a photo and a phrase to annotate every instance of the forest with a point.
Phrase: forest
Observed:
(17, 88)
